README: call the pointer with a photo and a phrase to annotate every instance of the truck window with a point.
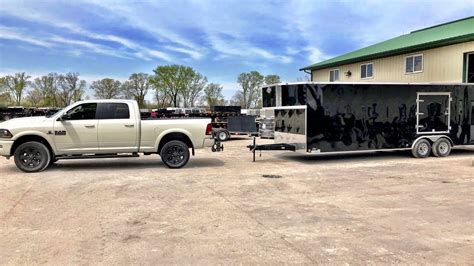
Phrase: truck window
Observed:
(113, 111)
(86, 111)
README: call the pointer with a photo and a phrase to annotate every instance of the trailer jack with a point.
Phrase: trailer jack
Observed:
(217, 146)
(269, 147)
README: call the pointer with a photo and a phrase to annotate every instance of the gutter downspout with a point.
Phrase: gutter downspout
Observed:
(310, 74)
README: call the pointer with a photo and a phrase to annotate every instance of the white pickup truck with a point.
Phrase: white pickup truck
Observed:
(101, 129)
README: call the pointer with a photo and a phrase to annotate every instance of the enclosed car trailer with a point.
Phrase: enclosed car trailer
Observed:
(343, 117)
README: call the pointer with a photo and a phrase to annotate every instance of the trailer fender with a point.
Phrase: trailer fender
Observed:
(433, 139)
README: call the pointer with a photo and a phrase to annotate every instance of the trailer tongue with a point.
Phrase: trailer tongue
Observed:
(270, 147)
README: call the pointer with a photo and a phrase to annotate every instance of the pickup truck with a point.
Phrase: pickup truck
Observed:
(101, 129)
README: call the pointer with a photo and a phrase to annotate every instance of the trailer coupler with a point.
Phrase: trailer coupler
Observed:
(217, 146)
(270, 147)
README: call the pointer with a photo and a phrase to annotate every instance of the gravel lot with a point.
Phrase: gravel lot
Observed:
(370, 208)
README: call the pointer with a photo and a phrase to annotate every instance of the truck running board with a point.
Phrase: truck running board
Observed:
(270, 147)
(96, 156)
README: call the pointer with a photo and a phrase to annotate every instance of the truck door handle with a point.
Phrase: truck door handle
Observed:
(129, 125)
(90, 126)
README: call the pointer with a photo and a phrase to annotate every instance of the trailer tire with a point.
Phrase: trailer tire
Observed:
(421, 149)
(32, 157)
(223, 135)
(175, 154)
(442, 148)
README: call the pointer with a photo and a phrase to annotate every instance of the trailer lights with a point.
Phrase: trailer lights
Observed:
(4, 133)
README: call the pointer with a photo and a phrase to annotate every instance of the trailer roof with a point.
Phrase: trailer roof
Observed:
(366, 83)
(432, 37)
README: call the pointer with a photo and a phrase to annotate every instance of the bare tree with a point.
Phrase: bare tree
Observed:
(136, 87)
(47, 87)
(250, 82)
(16, 84)
(107, 88)
(193, 90)
(71, 88)
(213, 95)
(35, 97)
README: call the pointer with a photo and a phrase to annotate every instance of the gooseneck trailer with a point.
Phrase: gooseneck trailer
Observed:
(357, 117)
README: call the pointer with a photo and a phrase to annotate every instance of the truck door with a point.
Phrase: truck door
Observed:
(76, 131)
(118, 129)
(433, 112)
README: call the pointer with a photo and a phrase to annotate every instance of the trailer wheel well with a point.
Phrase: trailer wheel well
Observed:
(175, 136)
(28, 138)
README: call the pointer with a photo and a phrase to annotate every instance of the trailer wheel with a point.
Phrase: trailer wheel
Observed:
(441, 148)
(32, 157)
(421, 149)
(175, 154)
(223, 135)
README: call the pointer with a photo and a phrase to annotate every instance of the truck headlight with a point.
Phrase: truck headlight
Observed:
(4, 133)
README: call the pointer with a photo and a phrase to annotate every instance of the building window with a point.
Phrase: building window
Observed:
(414, 64)
(367, 71)
(334, 75)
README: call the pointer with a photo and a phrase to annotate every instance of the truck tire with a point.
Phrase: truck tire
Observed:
(421, 149)
(175, 154)
(223, 135)
(32, 157)
(441, 148)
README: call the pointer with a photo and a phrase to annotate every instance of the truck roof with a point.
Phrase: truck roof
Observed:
(107, 101)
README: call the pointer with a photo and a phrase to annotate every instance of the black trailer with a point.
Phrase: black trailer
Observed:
(343, 117)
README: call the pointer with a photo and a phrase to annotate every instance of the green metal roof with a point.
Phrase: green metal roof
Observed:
(440, 35)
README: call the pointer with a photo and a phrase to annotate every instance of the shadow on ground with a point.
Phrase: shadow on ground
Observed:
(370, 155)
(117, 164)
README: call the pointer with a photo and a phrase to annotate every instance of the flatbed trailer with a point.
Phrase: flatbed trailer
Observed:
(318, 118)
(226, 121)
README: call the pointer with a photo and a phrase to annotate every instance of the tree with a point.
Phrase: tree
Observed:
(250, 82)
(107, 88)
(194, 88)
(35, 97)
(272, 79)
(136, 87)
(70, 88)
(16, 85)
(163, 100)
(213, 95)
(172, 81)
(47, 87)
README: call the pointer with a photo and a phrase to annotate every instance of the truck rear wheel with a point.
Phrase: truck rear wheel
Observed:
(32, 157)
(441, 148)
(175, 154)
(421, 149)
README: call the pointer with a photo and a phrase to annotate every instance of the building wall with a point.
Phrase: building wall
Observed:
(444, 64)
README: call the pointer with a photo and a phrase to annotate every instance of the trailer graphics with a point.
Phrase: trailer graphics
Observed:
(342, 117)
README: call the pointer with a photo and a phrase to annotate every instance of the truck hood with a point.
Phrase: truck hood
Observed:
(22, 122)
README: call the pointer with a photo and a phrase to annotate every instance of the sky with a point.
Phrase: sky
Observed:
(220, 39)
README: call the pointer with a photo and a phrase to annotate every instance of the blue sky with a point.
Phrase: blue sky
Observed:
(220, 39)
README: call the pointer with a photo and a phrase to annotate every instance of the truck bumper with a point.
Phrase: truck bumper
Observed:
(208, 142)
(5, 147)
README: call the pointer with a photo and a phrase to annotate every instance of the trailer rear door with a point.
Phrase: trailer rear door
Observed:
(433, 112)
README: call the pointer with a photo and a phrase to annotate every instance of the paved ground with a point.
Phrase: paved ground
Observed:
(379, 208)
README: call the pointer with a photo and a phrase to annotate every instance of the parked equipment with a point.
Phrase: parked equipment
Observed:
(342, 117)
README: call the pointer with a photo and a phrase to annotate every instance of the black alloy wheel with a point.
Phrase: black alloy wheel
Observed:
(32, 157)
(175, 154)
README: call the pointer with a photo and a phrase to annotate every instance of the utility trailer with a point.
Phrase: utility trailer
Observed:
(358, 117)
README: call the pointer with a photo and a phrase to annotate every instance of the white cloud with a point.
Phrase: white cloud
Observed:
(10, 33)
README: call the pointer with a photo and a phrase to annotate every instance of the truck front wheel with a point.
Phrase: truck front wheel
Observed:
(175, 154)
(32, 157)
